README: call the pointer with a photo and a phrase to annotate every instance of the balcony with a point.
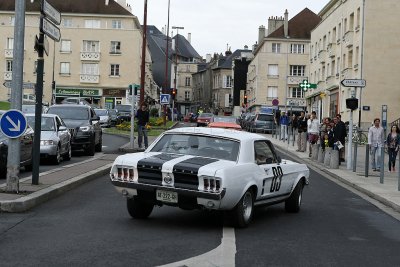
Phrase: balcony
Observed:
(322, 56)
(8, 53)
(297, 102)
(273, 76)
(90, 56)
(347, 73)
(321, 85)
(89, 78)
(330, 81)
(8, 75)
(331, 49)
(348, 38)
(295, 80)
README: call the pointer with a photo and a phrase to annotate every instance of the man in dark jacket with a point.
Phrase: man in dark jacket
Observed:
(339, 134)
(302, 130)
(143, 118)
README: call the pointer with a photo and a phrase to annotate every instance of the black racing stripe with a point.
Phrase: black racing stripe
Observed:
(149, 169)
(185, 172)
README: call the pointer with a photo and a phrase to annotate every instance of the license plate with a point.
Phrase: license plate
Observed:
(167, 196)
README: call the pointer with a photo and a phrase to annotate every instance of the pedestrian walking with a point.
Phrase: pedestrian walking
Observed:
(143, 117)
(375, 141)
(284, 122)
(313, 130)
(339, 134)
(393, 144)
(302, 132)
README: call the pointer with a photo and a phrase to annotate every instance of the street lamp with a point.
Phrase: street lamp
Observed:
(176, 63)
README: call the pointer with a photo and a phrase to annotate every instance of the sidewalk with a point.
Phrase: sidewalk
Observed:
(386, 193)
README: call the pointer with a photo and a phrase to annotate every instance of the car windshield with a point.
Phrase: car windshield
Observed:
(70, 113)
(225, 119)
(123, 108)
(101, 112)
(198, 145)
(265, 117)
(28, 108)
(112, 112)
(47, 123)
(205, 115)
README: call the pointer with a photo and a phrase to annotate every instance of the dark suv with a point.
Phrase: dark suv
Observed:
(262, 122)
(83, 124)
(124, 113)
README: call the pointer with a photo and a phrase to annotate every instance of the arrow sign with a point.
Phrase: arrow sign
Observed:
(8, 84)
(164, 98)
(13, 123)
(354, 83)
(50, 29)
(52, 13)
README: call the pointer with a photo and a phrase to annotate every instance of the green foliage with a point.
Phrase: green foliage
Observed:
(154, 112)
(5, 105)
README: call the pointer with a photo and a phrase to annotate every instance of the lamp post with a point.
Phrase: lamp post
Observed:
(176, 64)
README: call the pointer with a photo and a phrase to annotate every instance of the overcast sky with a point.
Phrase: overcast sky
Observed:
(216, 24)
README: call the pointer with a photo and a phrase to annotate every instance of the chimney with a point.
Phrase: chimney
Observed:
(189, 38)
(107, 2)
(246, 47)
(286, 24)
(274, 23)
(261, 34)
(208, 58)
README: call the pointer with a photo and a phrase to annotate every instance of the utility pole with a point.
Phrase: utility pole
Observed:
(164, 91)
(176, 65)
(144, 45)
(14, 146)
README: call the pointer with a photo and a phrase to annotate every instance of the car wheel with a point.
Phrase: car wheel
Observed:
(99, 146)
(139, 209)
(68, 155)
(243, 212)
(293, 203)
(92, 149)
(57, 157)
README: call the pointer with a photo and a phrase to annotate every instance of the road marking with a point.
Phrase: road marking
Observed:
(222, 256)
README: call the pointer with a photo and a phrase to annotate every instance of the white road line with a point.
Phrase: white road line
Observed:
(222, 256)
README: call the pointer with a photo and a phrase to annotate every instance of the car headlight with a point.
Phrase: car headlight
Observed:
(85, 128)
(46, 142)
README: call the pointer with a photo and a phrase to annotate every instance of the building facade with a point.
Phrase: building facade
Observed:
(98, 56)
(356, 39)
(281, 63)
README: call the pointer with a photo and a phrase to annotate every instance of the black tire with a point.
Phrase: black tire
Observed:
(293, 203)
(138, 209)
(67, 156)
(92, 149)
(242, 214)
(99, 146)
(57, 158)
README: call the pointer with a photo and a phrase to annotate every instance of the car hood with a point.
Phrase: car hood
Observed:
(103, 118)
(72, 124)
(48, 135)
(170, 162)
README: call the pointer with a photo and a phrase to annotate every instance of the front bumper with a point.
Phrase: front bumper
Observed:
(48, 150)
(82, 140)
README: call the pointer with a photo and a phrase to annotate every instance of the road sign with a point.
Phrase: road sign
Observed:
(305, 85)
(8, 84)
(53, 14)
(164, 98)
(50, 29)
(275, 102)
(46, 45)
(13, 123)
(353, 82)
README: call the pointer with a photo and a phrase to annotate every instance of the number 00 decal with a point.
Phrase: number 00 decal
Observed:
(277, 179)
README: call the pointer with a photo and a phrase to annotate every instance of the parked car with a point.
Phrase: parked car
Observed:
(246, 122)
(55, 139)
(124, 113)
(227, 122)
(261, 122)
(113, 115)
(26, 141)
(204, 119)
(105, 118)
(75, 100)
(30, 108)
(206, 168)
(83, 124)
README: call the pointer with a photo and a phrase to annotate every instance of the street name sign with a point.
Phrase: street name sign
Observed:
(13, 123)
(353, 82)
(8, 84)
(52, 14)
(164, 98)
(50, 29)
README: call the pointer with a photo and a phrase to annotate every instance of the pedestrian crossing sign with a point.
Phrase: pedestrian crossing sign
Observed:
(164, 98)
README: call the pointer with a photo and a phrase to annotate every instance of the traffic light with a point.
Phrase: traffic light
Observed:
(245, 99)
(173, 93)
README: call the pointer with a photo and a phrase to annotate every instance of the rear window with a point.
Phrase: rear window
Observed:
(205, 115)
(123, 108)
(71, 113)
(265, 117)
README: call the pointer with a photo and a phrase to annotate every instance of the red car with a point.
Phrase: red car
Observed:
(226, 122)
(204, 119)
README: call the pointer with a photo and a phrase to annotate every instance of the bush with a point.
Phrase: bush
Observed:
(154, 112)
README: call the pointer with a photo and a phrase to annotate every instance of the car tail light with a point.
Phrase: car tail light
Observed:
(123, 173)
(212, 184)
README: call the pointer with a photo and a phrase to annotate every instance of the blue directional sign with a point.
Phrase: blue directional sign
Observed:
(13, 123)
(164, 98)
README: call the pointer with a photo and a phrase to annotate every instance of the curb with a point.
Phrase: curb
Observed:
(32, 200)
(372, 195)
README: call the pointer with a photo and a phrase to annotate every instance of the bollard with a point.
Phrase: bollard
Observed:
(334, 162)
(314, 151)
(327, 157)
(382, 164)
(355, 157)
(366, 160)
(294, 136)
(288, 135)
(320, 155)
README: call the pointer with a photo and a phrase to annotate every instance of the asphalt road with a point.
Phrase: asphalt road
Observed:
(91, 226)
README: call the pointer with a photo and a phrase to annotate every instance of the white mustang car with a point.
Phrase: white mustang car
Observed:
(209, 168)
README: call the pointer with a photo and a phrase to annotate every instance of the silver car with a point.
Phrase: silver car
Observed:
(105, 117)
(55, 139)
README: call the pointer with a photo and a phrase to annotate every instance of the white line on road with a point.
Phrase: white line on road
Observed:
(222, 256)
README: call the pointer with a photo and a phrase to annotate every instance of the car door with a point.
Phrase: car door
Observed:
(96, 126)
(62, 135)
(275, 183)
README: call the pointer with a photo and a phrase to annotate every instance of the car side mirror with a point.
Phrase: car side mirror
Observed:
(62, 128)
(95, 118)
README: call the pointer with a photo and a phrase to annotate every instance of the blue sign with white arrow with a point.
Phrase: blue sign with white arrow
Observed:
(13, 123)
(164, 98)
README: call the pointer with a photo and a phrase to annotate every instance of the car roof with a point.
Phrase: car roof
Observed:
(70, 106)
(46, 115)
(218, 132)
